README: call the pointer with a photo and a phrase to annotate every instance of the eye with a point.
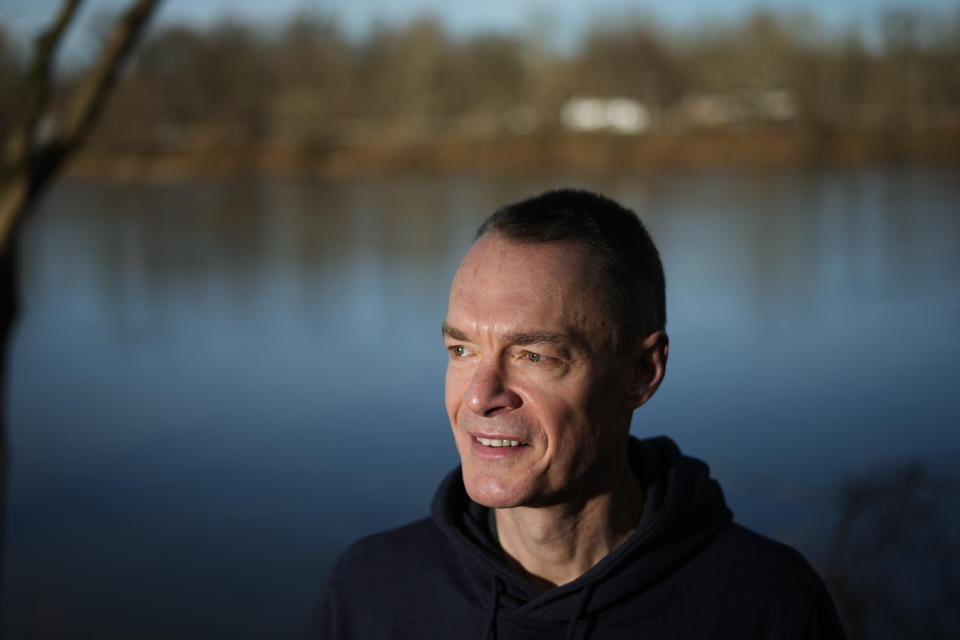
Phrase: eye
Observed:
(536, 358)
(458, 351)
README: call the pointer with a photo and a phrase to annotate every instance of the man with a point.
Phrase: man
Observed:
(559, 524)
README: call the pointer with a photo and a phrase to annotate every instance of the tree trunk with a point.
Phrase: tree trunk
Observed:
(28, 164)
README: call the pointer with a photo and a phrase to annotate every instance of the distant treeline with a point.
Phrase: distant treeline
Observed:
(309, 89)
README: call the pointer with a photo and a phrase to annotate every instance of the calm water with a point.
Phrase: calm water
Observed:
(215, 387)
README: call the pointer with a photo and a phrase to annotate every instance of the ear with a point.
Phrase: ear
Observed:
(648, 361)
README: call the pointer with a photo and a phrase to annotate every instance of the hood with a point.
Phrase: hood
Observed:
(683, 510)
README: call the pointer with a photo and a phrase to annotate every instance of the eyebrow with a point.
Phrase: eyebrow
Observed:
(453, 332)
(536, 337)
(522, 338)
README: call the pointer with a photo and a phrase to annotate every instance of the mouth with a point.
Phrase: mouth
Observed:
(496, 442)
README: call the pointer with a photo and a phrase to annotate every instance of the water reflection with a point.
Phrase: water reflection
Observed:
(223, 383)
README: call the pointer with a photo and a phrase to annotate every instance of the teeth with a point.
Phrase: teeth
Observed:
(488, 442)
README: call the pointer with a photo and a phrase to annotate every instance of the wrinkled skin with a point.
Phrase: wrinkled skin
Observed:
(531, 360)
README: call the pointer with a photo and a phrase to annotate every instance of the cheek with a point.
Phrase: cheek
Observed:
(571, 427)
(454, 388)
(556, 414)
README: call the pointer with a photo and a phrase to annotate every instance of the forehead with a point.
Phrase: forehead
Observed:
(512, 285)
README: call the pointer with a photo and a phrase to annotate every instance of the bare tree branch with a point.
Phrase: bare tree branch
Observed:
(17, 146)
(91, 95)
(29, 163)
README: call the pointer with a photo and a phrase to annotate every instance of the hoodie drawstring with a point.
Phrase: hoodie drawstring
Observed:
(578, 612)
(495, 588)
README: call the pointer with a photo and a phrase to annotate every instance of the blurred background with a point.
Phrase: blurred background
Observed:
(227, 363)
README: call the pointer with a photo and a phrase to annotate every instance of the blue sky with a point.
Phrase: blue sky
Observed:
(566, 15)
(564, 20)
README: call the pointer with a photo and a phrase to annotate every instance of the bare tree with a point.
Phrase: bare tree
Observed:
(893, 561)
(35, 149)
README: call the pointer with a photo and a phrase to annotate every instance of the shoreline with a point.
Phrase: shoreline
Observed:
(751, 149)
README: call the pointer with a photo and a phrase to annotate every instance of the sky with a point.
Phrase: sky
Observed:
(563, 20)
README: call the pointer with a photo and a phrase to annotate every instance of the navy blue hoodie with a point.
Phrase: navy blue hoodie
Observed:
(687, 571)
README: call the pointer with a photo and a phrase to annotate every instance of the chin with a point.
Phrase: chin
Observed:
(492, 492)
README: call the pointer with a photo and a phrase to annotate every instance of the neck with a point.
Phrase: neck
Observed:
(554, 545)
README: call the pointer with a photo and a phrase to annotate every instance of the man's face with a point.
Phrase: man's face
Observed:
(532, 363)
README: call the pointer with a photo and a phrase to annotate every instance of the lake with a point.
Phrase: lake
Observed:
(214, 387)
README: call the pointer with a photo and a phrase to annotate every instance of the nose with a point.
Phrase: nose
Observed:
(489, 393)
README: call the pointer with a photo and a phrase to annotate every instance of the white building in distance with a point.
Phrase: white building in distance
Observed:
(618, 115)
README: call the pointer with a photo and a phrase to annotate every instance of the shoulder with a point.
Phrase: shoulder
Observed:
(390, 585)
(391, 565)
(767, 582)
(754, 565)
(384, 555)
(754, 558)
